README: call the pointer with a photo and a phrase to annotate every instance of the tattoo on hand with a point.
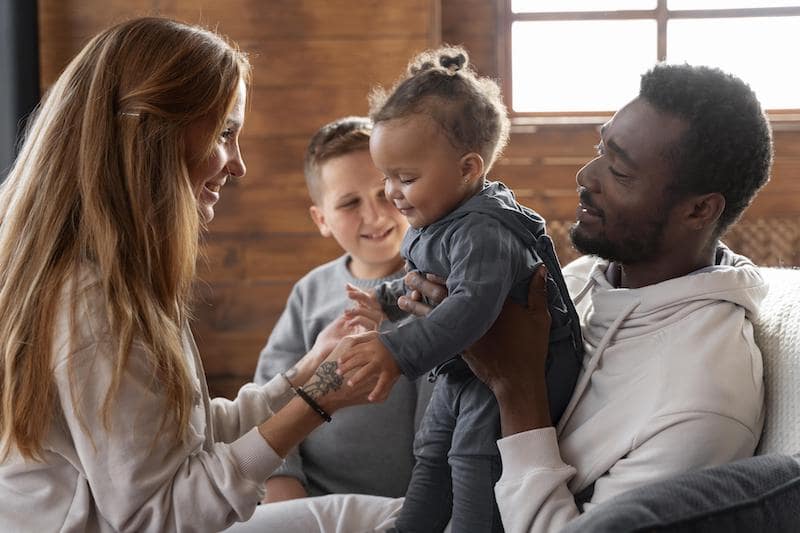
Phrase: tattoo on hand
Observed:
(327, 380)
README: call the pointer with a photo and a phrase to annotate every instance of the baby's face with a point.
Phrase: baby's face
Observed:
(422, 171)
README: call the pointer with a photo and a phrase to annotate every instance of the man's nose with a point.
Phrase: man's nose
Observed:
(587, 176)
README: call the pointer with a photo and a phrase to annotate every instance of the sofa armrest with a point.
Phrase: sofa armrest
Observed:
(759, 493)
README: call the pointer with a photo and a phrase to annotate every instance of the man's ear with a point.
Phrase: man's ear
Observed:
(319, 219)
(471, 166)
(704, 210)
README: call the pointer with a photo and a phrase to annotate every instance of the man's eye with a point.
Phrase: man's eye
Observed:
(407, 180)
(617, 174)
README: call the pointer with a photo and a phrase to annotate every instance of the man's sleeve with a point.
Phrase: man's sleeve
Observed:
(533, 495)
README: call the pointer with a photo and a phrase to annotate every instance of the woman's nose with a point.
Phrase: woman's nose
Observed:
(236, 167)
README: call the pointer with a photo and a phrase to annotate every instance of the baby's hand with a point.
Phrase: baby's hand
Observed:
(370, 359)
(367, 312)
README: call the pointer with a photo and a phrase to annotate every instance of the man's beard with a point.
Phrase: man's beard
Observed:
(637, 242)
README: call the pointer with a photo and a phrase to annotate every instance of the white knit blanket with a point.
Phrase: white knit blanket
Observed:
(777, 333)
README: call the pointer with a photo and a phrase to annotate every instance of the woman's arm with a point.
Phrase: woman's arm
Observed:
(289, 426)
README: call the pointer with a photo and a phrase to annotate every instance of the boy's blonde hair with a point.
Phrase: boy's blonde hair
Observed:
(102, 181)
(337, 138)
(442, 84)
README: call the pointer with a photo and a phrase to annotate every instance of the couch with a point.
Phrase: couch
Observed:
(760, 493)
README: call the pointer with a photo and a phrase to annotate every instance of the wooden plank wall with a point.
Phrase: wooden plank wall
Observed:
(314, 60)
(540, 162)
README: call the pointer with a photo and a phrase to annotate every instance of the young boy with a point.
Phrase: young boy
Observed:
(368, 449)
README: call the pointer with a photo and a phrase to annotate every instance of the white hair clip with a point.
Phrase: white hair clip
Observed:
(124, 114)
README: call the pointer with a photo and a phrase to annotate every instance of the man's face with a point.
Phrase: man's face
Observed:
(625, 207)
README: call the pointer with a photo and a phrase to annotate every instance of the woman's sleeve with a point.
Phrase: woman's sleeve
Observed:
(139, 476)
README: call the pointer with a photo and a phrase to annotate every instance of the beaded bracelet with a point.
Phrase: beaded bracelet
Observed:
(311, 403)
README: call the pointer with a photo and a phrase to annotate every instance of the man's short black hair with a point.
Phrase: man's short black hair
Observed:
(727, 147)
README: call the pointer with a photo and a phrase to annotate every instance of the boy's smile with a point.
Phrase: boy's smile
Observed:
(353, 209)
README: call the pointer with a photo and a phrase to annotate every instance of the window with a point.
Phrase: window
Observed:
(584, 57)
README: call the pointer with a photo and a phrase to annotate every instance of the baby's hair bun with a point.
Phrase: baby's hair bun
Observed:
(453, 63)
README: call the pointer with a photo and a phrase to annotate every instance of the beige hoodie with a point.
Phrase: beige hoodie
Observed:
(672, 382)
(93, 480)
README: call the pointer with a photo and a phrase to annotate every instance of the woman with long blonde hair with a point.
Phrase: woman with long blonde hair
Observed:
(105, 415)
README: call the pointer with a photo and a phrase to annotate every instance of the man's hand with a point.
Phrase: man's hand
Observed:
(367, 312)
(429, 286)
(510, 359)
(370, 360)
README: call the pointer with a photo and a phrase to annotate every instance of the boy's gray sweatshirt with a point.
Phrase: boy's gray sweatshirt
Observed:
(485, 250)
(368, 448)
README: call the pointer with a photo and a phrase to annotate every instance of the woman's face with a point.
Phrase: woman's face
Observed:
(209, 174)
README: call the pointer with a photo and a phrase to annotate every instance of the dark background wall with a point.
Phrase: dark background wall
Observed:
(19, 73)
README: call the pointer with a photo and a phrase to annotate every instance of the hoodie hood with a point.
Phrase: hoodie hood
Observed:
(733, 279)
(610, 315)
(497, 200)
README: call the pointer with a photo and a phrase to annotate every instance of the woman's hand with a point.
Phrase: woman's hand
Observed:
(510, 359)
(324, 344)
(330, 389)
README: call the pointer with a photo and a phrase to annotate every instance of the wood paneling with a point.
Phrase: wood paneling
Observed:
(313, 61)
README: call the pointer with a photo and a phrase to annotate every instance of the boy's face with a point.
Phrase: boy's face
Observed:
(424, 175)
(354, 210)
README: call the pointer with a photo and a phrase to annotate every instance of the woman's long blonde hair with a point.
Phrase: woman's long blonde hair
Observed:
(102, 180)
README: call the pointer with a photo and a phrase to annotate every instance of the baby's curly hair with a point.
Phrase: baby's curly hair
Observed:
(727, 146)
(442, 84)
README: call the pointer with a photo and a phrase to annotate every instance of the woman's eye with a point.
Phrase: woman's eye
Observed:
(226, 135)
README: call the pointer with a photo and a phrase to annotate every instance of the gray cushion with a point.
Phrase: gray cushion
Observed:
(756, 494)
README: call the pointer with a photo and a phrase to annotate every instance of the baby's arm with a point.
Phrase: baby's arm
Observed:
(371, 358)
(485, 260)
(367, 312)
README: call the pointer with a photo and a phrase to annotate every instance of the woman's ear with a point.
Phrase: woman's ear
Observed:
(318, 217)
(471, 167)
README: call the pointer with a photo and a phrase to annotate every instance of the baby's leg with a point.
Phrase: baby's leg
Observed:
(475, 460)
(428, 501)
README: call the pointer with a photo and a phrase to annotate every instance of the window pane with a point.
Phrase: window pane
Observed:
(549, 6)
(728, 4)
(751, 48)
(579, 65)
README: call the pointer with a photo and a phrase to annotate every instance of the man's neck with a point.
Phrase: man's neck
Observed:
(652, 272)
